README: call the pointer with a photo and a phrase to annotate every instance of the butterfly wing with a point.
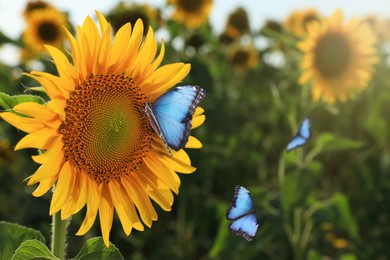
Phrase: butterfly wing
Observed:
(304, 129)
(173, 112)
(301, 137)
(243, 214)
(245, 226)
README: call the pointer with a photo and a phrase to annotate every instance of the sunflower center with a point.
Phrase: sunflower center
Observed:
(48, 32)
(190, 5)
(36, 5)
(129, 16)
(332, 55)
(240, 57)
(308, 19)
(106, 132)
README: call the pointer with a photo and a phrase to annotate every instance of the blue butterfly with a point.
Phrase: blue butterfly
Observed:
(301, 137)
(242, 214)
(171, 115)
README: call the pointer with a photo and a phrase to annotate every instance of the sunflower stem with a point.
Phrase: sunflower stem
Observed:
(59, 234)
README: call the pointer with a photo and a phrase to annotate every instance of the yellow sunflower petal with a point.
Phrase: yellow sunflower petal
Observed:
(93, 202)
(119, 200)
(193, 143)
(198, 120)
(106, 214)
(25, 124)
(64, 68)
(142, 202)
(40, 139)
(163, 172)
(51, 161)
(44, 186)
(64, 187)
(154, 193)
(57, 106)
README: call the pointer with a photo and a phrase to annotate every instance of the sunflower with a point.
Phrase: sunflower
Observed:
(44, 26)
(34, 5)
(338, 58)
(379, 26)
(244, 57)
(192, 13)
(298, 21)
(123, 14)
(237, 23)
(100, 150)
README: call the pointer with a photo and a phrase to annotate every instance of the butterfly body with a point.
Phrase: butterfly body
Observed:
(242, 214)
(171, 115)
(301, 137)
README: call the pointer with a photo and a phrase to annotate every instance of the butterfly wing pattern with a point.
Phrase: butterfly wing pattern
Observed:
(301, 137)
(171, 114)
(242, 214)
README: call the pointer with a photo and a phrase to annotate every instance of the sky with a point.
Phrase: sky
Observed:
(11, 22)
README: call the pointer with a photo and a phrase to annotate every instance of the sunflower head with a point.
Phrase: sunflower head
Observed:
(379, 26)
(34, 5)
(196, 41)
(298, 21)
(338, 58)
(123, 14)
(237, 23)
(191, 13)
(100, 150)
(44, 26)
(244, 57)
(225, 39)
(273, 25)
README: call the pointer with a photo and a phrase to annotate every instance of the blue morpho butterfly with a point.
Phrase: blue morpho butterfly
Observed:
(301, 137)
(242, 214)
(171, 115)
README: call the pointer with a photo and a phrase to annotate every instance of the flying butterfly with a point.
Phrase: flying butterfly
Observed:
(171, 115)
(301, 137)
(242, 214)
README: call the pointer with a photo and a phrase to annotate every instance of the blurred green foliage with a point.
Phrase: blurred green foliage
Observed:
(336, 187)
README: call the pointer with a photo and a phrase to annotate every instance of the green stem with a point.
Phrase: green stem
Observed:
(59, 233)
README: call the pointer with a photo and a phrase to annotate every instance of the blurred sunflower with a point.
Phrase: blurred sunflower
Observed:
(100, 149)
(237, 23)
(44, 26)
(34, 5)
(297, 22)
(192, 13)
(244, 57)
(225, 39)
(337, 242)
(273, 26)
(123, 13)
(338, 58)
(379, 26)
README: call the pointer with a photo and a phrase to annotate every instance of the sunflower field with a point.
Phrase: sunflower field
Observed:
(104, 156)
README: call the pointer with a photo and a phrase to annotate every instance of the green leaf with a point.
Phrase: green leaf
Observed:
(331, 142)
(13, 235)
(312, 254)
(346, 219)
(222, 233)
(95, 249)
(8, 102)
(294, 191)
(33, 249)
(348, 257)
